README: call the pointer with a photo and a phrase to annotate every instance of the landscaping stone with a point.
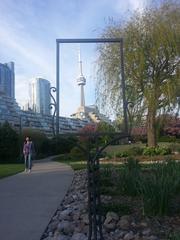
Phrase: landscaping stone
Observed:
(111, 220)
(79, 236)
(128, 236)
(146, 231)
(70, 221)
(65, 227)
(123, 224)
(62, 237)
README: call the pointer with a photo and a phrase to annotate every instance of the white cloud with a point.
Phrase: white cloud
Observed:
(27, 36)
(129, 5)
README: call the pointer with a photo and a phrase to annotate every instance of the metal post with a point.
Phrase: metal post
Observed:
(57, 87)
(123, 88)
(94, 200)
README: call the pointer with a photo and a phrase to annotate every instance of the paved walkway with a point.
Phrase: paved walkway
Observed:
(28, 200)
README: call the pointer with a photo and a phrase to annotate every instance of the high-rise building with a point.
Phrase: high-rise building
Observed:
(40, 96)
(7, 79)
(81, 80)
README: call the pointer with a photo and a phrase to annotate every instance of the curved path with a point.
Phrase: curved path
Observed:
(28, 200)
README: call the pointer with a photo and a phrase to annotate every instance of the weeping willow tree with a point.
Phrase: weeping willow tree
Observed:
(152, 47)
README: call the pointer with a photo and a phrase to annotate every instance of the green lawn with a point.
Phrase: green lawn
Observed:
(77, 164)
(125, 147)
(10, 169)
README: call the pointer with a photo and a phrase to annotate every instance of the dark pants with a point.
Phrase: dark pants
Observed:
(28, 162)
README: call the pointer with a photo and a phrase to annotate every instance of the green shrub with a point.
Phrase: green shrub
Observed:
(175, 147)
(167, 139)
(9, 144)
(122, 154)
(135, 151)
(77, 154)
(158, 188)
(110, 155)
(40, 142)
(153, 151)
(61, 145)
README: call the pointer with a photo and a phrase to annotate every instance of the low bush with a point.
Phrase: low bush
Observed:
(122, 154)
(9, 144)
(135, 151)
(77, 154)
(61, 145)
(153, 151)
(167, 138)
(175, 147)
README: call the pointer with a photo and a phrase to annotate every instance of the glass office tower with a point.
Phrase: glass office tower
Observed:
(7, 79)
(39, 96)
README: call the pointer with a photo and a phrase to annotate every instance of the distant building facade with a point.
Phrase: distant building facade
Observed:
(90, 113)
(7, 79)
(39, 96)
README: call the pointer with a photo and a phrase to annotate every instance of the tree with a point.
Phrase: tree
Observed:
(105, 127)
(9, 144)
(38, 138)
(151, 64)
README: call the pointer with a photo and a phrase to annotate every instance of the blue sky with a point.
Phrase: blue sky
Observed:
(28, 32)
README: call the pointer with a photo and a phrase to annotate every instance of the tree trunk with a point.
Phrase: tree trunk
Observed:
(151, 127)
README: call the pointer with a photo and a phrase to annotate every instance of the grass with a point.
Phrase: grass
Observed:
(157, 184)
(174, 236)
(125, 147)
(75, 164)
(10, 169)
(80, 165)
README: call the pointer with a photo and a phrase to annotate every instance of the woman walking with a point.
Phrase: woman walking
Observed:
(27, 151)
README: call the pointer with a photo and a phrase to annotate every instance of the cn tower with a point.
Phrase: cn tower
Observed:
(81, 81)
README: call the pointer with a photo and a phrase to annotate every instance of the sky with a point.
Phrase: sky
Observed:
(28, 33)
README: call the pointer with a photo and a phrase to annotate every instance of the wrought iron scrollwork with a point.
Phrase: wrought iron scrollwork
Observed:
(53, 105)
(93, 175)
(94, 193)
(129, 104)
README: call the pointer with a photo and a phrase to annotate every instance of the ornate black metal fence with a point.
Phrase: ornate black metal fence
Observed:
(53, 105)
(93, 176)
(93, 167)
(94, 191)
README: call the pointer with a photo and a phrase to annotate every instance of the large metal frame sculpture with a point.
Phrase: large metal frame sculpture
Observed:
(94, 200)
(93, 175)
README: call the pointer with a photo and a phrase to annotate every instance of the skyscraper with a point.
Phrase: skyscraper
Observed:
(39, 96)
(7, 79)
